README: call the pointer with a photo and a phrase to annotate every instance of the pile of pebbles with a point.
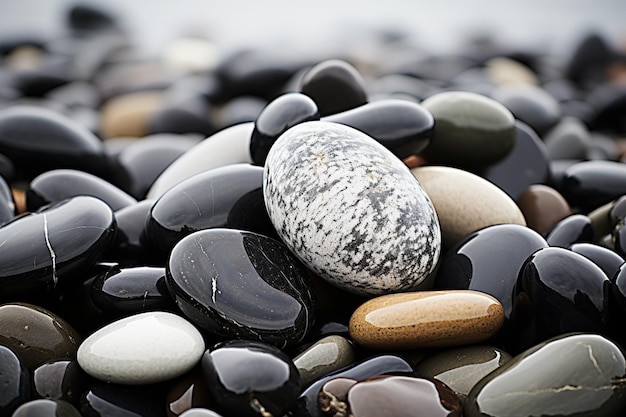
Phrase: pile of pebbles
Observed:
(390, 234)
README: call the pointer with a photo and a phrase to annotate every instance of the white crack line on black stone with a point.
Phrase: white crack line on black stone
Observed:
(53, 255)
(193, 202)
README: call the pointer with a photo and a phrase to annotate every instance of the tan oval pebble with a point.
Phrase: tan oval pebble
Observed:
(423, 319)
(543, 207)
(465, 202)
(506, 71)
(129, 114)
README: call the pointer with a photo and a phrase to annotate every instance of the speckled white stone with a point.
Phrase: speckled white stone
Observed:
(350, 209)
(142, 349)
(228, 146)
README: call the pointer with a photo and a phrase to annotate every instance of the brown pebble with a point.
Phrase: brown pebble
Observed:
(543, 207)
(129, 114)
(19, 196)
(423, 319)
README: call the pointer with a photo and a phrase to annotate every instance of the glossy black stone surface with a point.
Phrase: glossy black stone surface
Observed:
(63, 240)
(237, 284)
(128, 248)
(489, 261)
(526, 164)
(590, 184)
(404, 127)
(15, 382)
(8, 209)
(609, 261)
(228, 197)
(575, 228)
(37, 140)
(571, 375)
(60, 184)
(279, 115)
(250, 379)
(335, 86)
(559, 291)
(307, 403)
(46, 408)
(125, 291)
(61, 379)
(113, 400)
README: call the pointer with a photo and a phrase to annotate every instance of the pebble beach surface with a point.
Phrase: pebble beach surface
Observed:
(378, 232)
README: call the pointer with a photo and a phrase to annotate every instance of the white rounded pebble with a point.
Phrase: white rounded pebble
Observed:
(142, 349)
(350, 209)
(228, 146)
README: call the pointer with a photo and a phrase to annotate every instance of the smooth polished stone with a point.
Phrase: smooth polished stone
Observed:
(129, 248)
(423, 319)
(601, 220)
(554, 277)
(465, 202)
(324, 357)
(63, 240)
(618, 237)
(506, 71)
(571, 375)
(228, 146)
(307, 404)
(104, 399)
(335, 86)
(280, 114)
(8, 208)
(618, 292)
(188, 114)
(617, 211)
(525, 165)
(37, 140)
(142, 349)
(229, 197)
(129, 114)
(489, 261)
(350, 210)
(36, 335)
(461, 368)
(402, 126)
(188, 391)
(470, 129)
(530, 104)
(15, 381)
(138, 165)
(394, 396)
(575, 228)
(590, 184)
(543, 207)
(60, 184)
(61, 379)
(609, 261)
(249, 378)
(239, 110)
(125, 291)
(569, 139)
(46, 408)
(237, 284)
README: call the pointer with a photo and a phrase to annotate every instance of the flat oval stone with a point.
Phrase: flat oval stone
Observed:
(224, 197)
(236, 284)
(335, 85)
(142, 349)
(36, 335)
(279, 115)
(575, 228)
(465, 202)
(64, 240)
(461, 368)
(609, 261)
(61, 379)
(559, 277)
(60, 184)
(543, 207)
(590, 184)
(307, 404)
(37, 140)
(489, 261)
(426, 319)
(569, 139)
(228, 146)
(15, 381)
(125, 291)
(470, 129)
(249, 379)
(46, 408)
(323, 357)
(402, 126)
(570, 375)
(350, 210)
